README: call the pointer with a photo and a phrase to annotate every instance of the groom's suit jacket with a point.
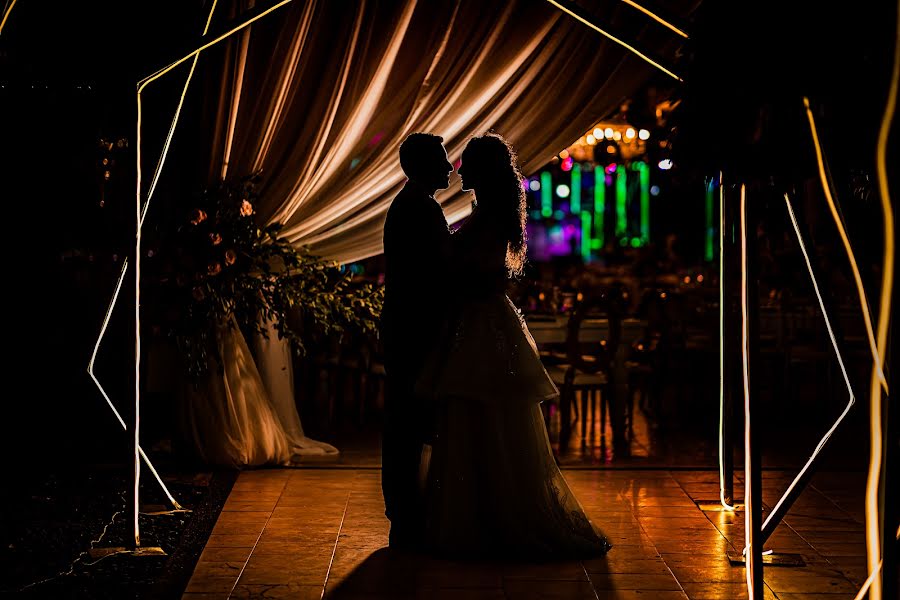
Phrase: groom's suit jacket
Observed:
(417, 254)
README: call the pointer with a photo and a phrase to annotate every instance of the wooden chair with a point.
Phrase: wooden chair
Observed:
(592, 340)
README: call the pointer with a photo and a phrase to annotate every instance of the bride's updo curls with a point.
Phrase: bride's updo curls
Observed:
(492, 170)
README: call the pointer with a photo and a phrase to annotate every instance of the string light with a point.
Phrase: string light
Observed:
(608, 132)
(644, 134)
(598, 133)
(615, 39)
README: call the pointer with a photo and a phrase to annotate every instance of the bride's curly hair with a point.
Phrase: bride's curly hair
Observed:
(501, 192)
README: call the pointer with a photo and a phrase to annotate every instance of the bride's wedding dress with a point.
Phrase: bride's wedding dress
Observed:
(493, 484)
(245, 416)
(274, 360)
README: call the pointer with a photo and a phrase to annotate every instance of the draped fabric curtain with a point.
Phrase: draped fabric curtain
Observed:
(319, 96)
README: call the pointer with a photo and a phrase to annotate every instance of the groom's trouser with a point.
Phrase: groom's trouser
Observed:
(401, 452)
(407, 343)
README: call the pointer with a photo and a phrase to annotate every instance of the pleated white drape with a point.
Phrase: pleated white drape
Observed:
(320, 96)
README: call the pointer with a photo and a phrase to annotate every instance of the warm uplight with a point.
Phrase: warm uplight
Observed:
(699, 278)
(644, 134)
(541, 296)
(610, 150)
(629, 133)
(579, 297)
(687, 279)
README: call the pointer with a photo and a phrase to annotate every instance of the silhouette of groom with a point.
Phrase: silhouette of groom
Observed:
(416, 248)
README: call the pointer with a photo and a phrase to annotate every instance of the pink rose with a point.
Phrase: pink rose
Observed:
(246, 208)
(215, 238)
(230, 257)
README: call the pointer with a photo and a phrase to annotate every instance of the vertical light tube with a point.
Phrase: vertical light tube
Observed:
(575, 196)
(745, 355)
(599, 208)
(137, 333)
(586, 235)
(709, 253)
(722, 499)
(621, 200)
(644, 175)
(546, 194)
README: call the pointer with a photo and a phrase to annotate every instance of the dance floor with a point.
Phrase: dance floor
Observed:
(305, 533)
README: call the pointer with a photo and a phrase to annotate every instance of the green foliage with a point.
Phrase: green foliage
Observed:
(220, 263)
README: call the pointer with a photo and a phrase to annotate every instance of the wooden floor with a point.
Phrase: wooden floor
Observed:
(309, 533)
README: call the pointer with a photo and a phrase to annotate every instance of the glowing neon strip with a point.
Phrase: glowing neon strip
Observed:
(599, 208)
(168, 142)
(656, 18)
(137, 262)
(546, 194)
(850, 255)
(644, 178)
(575, 199)
(722, 500)
(709, 254)
(6, 15)
(837, 353)
(745, 351)
(212, 42)
(615, 39)
(586, 235)
(876, 448)
(90, 371)
(621, 199)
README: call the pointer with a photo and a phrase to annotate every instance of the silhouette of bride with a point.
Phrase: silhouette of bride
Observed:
(493, 485)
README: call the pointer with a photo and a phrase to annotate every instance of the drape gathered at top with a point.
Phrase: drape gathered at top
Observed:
(319, 95)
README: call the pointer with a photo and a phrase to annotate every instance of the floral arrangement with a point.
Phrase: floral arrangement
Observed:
(220, 267)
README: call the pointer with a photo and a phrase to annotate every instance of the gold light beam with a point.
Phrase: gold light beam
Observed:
(90, 371)
(656, 18)
(615, 39)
